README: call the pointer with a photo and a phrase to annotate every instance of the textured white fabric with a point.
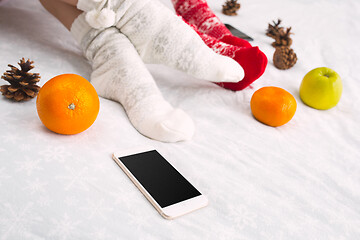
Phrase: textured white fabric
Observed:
(119, 74)
(88, 5)
(162, 37)
(299, 181)
(101, 19)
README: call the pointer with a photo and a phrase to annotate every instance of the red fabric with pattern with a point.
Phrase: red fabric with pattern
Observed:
(198, 13)
(251, 59)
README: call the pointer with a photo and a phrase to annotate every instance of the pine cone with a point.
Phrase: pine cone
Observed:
(273, 30)
(282, 38)
(230, 7)
(22, 83)
(284, 58)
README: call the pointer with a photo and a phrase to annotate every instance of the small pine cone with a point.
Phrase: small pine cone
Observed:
(22, 83)
(231, 7)
(284, 58)
(275, 29)
(282, 39)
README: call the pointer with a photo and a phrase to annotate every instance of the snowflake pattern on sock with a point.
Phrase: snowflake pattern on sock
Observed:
(120, 74)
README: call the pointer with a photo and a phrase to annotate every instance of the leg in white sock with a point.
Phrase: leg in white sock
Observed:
(119, 74)
(162, 37)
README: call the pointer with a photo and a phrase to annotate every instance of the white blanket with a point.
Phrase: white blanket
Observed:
(298, 181)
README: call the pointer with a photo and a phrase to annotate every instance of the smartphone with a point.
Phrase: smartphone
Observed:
(166, 189)
(238, 33)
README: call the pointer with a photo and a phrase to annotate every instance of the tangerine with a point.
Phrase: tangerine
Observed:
(67, 104)
(273, 106)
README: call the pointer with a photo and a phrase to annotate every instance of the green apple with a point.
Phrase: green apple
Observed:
(321, 88)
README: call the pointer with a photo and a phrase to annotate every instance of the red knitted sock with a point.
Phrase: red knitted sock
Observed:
(198, 13)
(251, 59)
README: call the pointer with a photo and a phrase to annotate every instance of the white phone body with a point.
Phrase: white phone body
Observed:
(169, 212)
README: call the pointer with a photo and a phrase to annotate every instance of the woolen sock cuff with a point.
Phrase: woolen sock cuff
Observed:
(87, 5)
(80, 28)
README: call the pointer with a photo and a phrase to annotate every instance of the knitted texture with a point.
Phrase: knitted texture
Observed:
(161, 37)
(252, 60)
(199, 14)
(119, 74)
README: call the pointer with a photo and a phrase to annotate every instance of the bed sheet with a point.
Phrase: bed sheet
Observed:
(298, 181)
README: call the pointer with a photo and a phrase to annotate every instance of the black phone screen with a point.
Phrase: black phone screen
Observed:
(160, 179)
(236, 32)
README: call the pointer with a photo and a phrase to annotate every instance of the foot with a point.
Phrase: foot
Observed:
(119, 74)
(252, 60)
(162, 37)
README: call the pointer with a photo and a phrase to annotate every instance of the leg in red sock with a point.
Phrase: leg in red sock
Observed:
(252, 60)
(198, 13)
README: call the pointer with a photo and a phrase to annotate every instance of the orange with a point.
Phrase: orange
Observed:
(67, 104)
(273, 106)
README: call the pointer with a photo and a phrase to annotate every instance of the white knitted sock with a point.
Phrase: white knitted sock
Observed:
(162, 37)
(120, 74)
